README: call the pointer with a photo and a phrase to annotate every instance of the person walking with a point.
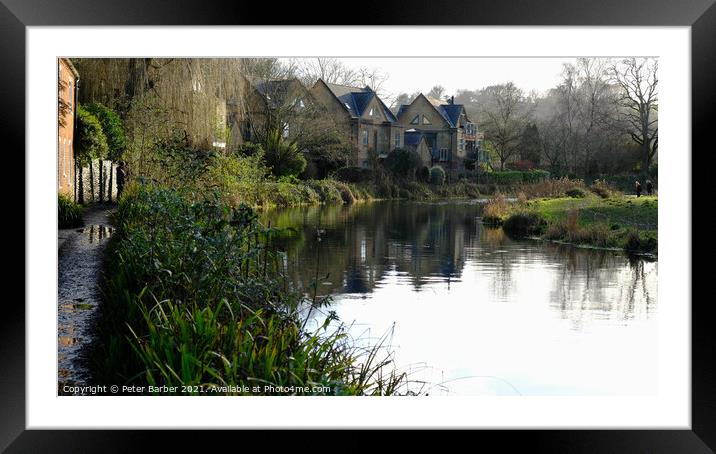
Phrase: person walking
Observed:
(638, 189)
(649, 187)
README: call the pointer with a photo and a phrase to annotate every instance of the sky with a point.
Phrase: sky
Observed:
(421, 74)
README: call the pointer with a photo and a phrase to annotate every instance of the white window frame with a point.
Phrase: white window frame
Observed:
(365, 137)
(443, 155)
(397, 139)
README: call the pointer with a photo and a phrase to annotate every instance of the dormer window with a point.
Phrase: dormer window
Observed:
(426, 121)
(416, 120)
(371, 113)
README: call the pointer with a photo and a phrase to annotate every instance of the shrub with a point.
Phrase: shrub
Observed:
(437, 176)
(69, 213)
(550, 188)
(575, 193)
(495, 211)
(196, 296)
(326, 190)
(402, 163)
(354, 174)
(423, 174)
(636, 242)
(524, 223)
(282, 157)
(602, 189)
(533, 176)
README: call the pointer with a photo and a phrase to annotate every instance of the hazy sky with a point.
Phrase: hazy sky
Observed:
(420, 74)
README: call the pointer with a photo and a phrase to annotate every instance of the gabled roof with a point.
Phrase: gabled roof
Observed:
(276, 91)
(449, 112)
(354, 100)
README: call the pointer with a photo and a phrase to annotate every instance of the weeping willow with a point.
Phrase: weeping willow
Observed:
(161, 97)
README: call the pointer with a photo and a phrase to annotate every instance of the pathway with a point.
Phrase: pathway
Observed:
(80, 254)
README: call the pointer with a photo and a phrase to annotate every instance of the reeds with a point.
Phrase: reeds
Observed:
(195, 297)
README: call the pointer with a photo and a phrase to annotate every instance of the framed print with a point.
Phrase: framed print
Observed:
(359, 225)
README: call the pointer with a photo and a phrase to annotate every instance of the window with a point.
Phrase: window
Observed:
(64, 157)
(461, 143)
(415, 120)
(366, 164)
(365, 137)
(443, 154)
(299, 103)
(371, 113)
(397, 139)
(426, 121)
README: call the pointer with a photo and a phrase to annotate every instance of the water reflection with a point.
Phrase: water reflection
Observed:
(475, 307)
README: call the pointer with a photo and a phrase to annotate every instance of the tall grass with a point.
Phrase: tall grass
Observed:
(195, 296)
(494, 211)
(69, 213)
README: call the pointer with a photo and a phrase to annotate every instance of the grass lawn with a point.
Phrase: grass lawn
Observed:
(624, 211)
(624, 222)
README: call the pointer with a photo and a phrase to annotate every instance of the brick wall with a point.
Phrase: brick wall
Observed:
(65, 133)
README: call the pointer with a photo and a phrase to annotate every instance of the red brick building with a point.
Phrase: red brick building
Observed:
(67, 103)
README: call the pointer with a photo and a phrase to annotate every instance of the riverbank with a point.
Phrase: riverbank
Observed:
(196, 301)
(616, 221)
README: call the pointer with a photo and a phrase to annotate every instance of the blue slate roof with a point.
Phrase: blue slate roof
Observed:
(355, 100)
(451, 113)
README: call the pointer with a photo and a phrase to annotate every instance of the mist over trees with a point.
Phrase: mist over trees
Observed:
(601, 118)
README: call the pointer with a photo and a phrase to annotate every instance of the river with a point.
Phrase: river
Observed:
(468, 311)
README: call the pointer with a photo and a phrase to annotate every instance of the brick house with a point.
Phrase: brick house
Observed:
(369, 126)
(444, 129)
(68, 79)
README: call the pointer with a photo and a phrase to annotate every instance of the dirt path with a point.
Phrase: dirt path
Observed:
(79, 268)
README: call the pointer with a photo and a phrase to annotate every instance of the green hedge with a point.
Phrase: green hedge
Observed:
(514, 177)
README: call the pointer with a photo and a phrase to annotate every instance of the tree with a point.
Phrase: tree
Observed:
(91, 144)
(116, 140)
(284, 158)
(437, 92)
(638, 79)
(505, 116)
(530, 144)
(403, 163)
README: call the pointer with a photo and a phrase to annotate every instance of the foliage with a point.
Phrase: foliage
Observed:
(550, 188)
(69, 213)
(354, 174)
(112, 128)
(91, 143)
(282, 157)
(576, 193)
(176, 162)
(403, 163)
(423, 174)
(196, 298)
(494, 211)
(524, 223)
(437, 176)
(603, 189)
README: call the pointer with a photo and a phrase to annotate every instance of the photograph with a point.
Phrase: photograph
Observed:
(358, 226)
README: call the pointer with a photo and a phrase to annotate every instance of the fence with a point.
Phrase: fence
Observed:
(91, 182)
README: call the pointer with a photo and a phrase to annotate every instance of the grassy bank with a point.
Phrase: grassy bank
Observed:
(595, 218)
(195, 297)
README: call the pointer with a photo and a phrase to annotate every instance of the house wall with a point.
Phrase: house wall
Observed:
(65, 134)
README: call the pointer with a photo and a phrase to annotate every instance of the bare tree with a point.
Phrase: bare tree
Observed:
(638, 79)
(505, 116)
(437, 92)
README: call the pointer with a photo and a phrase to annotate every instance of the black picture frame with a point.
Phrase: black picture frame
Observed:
(700, 15)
